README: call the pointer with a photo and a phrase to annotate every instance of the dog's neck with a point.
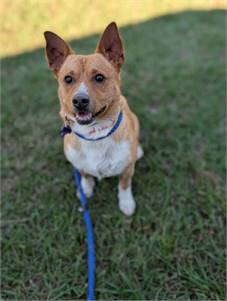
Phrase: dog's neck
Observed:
(96, 129)
(99, 128)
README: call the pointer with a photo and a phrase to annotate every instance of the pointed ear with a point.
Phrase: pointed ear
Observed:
(110, 45)
(56, 51)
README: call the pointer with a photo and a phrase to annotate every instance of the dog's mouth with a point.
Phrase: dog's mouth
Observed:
(86, 117)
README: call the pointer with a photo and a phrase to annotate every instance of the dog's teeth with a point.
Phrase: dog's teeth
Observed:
(84, 117)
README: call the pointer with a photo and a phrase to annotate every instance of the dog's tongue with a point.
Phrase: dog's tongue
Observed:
(84, 116)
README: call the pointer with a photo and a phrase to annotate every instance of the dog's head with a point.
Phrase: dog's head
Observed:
(89, 85)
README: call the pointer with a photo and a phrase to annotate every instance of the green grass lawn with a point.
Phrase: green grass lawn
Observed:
(173, 247)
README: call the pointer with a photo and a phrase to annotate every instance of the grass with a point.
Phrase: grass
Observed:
(173, 248)
(23, 22)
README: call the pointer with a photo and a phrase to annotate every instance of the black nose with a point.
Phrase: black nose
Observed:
(80, 101)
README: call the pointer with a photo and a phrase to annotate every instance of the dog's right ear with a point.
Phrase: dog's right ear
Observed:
(57, 51)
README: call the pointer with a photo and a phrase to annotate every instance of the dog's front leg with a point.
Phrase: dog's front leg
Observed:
(127, 203)
(88, 184)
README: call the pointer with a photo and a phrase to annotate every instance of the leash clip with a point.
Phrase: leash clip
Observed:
(65, 130)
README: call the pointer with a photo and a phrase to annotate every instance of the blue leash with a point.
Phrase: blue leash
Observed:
(90, 239)
(83, 200)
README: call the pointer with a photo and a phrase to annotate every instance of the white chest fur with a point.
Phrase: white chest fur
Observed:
(102, 158)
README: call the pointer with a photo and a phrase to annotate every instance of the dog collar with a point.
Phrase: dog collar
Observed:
(67, 130)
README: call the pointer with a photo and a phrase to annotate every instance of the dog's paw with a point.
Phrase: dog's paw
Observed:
(88, 184)
(127, 203)
(140, 152)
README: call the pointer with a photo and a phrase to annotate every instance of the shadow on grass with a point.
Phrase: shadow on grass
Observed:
(173, 248)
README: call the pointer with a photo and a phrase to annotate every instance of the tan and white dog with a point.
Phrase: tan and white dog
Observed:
(91, 100)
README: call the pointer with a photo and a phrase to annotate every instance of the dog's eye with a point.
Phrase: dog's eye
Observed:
(68, 79)
(99, 78)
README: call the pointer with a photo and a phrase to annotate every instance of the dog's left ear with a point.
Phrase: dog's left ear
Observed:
(110, 45)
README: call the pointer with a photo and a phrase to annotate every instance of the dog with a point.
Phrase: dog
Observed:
(104, 138)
